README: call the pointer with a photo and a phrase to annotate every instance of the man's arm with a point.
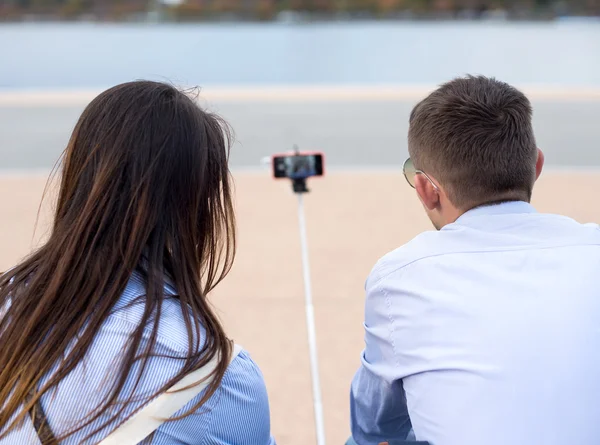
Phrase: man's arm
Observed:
(377, 401)
(378, 410)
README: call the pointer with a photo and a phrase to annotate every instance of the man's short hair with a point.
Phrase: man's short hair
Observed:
(475, 136)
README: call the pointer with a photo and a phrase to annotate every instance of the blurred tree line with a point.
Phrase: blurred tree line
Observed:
(193, 10)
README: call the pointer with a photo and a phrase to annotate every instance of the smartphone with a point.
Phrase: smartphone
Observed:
(298, 165)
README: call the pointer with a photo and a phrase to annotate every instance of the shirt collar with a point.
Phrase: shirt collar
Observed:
(504, 208)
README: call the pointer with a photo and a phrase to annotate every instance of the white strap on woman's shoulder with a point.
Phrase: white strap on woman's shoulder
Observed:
(149, 418)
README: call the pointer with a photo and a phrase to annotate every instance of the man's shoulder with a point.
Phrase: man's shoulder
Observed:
(539, 231)
(425, 245)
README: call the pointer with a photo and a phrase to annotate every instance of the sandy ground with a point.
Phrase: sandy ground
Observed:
(353, 219)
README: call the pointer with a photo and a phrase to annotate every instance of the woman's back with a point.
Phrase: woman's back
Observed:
(93, 328)
(237, 413)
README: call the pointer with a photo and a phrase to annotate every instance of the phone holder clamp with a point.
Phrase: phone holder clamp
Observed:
(299, 185)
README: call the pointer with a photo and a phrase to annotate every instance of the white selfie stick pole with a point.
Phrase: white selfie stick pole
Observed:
(310, 324)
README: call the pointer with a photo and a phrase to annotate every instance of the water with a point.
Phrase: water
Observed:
(355, 133)
(57, 56)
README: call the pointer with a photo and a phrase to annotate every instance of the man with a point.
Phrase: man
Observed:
(486, 332)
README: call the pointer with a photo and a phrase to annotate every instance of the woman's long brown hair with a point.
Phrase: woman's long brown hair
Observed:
(145, 187)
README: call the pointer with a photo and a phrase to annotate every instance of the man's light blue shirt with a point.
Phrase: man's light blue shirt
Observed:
(485, 332)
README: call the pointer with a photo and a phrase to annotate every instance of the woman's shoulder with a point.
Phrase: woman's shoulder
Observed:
(240, 413)
(243, 392)
(244, 378)
(237, 413)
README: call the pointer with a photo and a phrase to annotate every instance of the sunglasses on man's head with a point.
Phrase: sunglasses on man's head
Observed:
(410, 172)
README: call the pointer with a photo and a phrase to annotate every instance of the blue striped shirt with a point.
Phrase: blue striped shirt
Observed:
(238, 413)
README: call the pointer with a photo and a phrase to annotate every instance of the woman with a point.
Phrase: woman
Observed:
(112, 311)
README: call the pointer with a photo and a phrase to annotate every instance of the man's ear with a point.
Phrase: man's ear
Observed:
(428, 194)
(539, 164)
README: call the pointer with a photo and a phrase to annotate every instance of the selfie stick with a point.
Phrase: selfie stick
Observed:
(299, 187)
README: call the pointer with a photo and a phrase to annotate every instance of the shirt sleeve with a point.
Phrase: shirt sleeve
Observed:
(378, 409)
(237, 414)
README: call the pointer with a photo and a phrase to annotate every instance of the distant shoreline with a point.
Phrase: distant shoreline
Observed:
(273, 14)
(308, 19)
